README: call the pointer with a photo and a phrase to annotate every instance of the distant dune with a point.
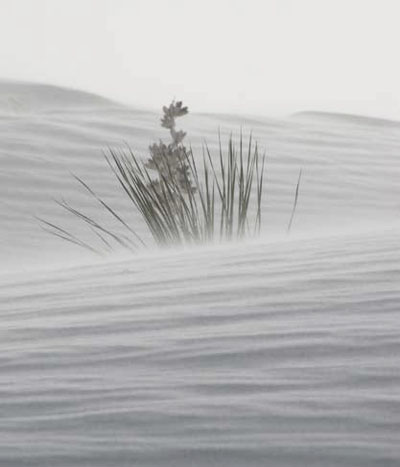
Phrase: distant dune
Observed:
(24, 97)
(346, 118)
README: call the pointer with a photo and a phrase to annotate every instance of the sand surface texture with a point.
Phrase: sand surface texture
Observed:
(281, 351)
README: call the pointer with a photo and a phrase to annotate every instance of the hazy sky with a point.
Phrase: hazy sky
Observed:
(254, 56)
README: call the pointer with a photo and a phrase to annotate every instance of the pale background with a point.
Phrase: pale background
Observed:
(255, 56)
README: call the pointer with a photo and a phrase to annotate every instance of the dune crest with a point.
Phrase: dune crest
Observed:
(24, 97)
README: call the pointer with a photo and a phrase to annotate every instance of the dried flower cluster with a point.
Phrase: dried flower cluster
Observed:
(170, 160)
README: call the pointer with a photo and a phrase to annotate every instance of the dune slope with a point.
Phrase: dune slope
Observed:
(282, 351)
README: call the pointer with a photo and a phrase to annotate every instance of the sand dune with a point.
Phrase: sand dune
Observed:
(279, 351)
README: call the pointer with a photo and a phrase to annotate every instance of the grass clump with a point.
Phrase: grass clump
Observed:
(181, 199)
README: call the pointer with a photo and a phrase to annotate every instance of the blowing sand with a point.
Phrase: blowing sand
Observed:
(280, 351)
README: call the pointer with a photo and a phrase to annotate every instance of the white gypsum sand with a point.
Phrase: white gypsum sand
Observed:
(278, 351)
